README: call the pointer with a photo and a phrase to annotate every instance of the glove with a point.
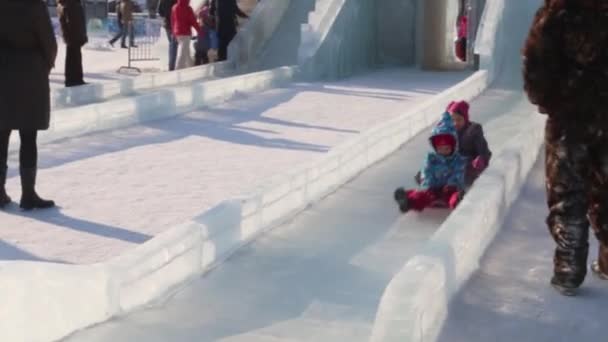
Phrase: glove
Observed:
(479, 164)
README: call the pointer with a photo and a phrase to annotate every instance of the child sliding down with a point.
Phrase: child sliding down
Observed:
(443, 172)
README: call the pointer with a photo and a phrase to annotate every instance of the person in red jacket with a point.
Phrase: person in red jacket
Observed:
(183, 21)
(461, 40)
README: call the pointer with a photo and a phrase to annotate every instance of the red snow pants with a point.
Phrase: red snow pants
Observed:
(421, 199)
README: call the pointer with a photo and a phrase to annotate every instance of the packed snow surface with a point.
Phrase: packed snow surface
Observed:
(117, 189)
(510, 299)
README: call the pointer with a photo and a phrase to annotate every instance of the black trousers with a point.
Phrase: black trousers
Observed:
(28, 153)
(73, 66)
(577, 195)
(225, 37)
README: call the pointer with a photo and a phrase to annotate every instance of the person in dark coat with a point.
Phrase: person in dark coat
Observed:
(565, 70)
(74, 29)
(471, 141)
(27, 55)
(226, 12)
(164, 10)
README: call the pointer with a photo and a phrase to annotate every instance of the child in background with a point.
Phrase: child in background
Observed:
(442, 175)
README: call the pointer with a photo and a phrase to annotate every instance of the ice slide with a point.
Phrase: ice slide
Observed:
(320, 276)
(510, 299)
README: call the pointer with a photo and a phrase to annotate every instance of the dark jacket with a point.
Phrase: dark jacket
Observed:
(126, 12)
(73, 22)
(473, 143)
(164, 11)
(27, 54)
(226, 12)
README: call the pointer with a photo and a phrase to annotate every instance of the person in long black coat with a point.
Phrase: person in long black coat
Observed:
(27, 54)
(226, 13)
(74, 28)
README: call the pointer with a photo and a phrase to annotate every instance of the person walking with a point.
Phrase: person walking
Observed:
(27, 55)
(565, 70)
(226, 13)
(125, 16)
(183, 21)
(164, 11)
(74, 29)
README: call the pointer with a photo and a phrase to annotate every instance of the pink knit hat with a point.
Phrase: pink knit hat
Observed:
(461, 108)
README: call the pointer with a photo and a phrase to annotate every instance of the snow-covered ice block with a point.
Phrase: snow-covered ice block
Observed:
(415, 304)
(98, 92)
(160, 104)
(45, 302)
(148, 271)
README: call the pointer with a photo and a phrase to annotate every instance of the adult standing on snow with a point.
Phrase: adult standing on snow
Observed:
(566, 76)
(226, 12)
(125, 16)
(164, 10)
(74, 29)
(183, 21)
(27, 55)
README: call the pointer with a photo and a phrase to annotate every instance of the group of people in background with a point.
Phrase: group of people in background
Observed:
(215, 23)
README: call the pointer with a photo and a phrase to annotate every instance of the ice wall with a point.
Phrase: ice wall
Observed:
(348, 46)
(396, 31)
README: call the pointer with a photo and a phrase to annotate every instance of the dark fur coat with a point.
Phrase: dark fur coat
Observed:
(565, 67)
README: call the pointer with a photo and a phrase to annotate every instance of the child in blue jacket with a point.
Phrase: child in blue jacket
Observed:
(443, 172)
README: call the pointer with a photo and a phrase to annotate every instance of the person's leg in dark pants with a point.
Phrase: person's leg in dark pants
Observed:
(117, 35)
(28, 164)
(4, 140)
(172, 48)
(568, 166)
(73, 66)
(226, 35)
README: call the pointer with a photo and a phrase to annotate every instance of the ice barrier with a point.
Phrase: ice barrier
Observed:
(98, 92)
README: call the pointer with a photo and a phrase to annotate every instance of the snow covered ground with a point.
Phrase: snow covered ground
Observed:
(118, 189)
(510, 299)
(319, 277)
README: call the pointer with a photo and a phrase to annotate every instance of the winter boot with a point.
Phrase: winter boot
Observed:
(402, 201)
(570, 269)
(599, 266)
(4, 199)
(565, 288)
(29, 198)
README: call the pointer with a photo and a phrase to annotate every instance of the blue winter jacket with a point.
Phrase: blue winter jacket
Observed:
(439, 171)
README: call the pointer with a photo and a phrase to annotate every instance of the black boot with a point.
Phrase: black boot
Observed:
(4, 199)
(570, 268)
(29, 198)
(401, 198)
(565, 288)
